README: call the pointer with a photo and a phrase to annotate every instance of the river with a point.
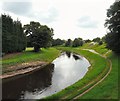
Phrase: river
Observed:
(64, 71)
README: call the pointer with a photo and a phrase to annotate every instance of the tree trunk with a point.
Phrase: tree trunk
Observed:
(36, 48)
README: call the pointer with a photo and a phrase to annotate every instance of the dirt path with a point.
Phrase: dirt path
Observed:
(110, 68)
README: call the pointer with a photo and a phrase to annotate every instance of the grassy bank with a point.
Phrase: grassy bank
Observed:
(99, 48)
(98, 69)
(108, 89)
(47, 55)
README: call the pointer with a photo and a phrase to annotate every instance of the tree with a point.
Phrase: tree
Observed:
(39, 35)
(58, 41)
(96, 39)
(68, 42)
(100, 42)
(77, 42)
(13, 37)
(87, 41)
(113, 24)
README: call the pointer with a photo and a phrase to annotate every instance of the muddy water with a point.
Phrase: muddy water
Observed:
(64, 71)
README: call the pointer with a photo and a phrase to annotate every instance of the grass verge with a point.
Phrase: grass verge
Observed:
(48, 55)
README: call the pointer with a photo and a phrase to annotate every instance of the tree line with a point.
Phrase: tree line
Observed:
(16, 38)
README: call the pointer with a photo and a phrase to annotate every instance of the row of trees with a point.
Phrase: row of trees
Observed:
(56, 42)
(75, 43)
(13, 37)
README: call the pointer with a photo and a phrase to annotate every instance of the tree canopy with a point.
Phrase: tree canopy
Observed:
(57, 41)
(113, 24)
(96, 39)
(68, 42)
(38, 35)
(77, 42)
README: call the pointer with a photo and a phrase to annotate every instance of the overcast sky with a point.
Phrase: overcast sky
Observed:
(68, 18)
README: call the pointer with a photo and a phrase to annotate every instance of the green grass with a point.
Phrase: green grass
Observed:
(47, 55)
(108, 89)
(98, 65)
(99, 48)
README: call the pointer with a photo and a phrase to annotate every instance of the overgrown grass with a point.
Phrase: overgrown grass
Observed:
(98, 65)
(47, 55)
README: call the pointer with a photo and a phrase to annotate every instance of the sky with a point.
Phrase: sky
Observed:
(69, 18)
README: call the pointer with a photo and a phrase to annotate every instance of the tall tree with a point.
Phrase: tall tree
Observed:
(113, 24)
(10, 31)
(39, 35)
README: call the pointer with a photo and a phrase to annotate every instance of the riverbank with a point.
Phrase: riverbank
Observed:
(28, 61)
(22, 69)
(102, 85)
(99, 67)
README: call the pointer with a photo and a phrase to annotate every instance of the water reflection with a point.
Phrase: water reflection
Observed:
(33, 83)
(67, 69)
(76, 57)
(68, 54)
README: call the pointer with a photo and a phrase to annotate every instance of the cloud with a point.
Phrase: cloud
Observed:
(47, 16)
(87, 22)
(117, 0)
(19, 8)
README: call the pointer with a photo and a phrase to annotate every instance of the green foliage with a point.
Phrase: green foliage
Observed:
(100, 43)
(87, 41)
(68, 43)
(96, 39)
(38, 35)
(77, 42)
(56, 42)
(13, 37)
(113, 24)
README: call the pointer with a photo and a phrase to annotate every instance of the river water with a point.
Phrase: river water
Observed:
(63, 72)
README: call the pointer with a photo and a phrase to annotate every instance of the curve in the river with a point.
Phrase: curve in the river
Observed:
(63, 72)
